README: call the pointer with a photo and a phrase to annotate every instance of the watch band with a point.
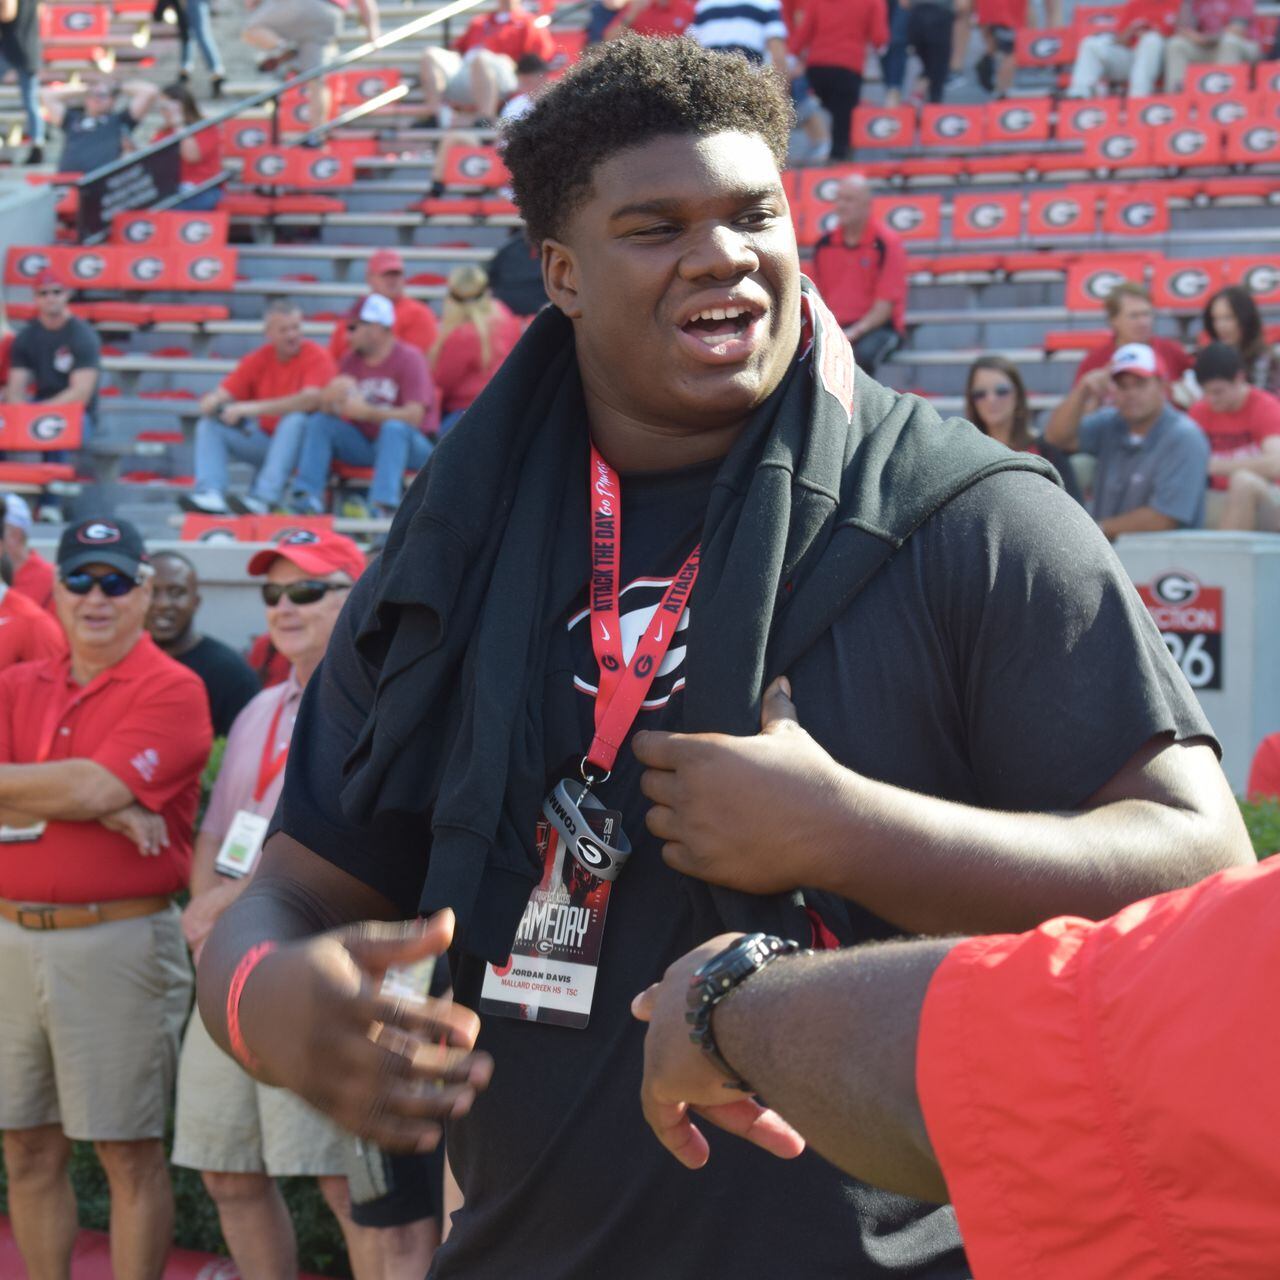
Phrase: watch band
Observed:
(720, 975)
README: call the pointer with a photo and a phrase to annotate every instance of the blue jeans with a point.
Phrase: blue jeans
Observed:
(274, 455)
(205, 202)
(200, 27)
(893, 66)
(29, 93)
(398, 448)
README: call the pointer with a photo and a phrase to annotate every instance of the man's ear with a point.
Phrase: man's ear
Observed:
(560, 277)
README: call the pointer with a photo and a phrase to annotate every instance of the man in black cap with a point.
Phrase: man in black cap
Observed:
(101, 751)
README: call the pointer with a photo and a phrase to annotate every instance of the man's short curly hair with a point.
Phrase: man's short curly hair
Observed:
(623, 94)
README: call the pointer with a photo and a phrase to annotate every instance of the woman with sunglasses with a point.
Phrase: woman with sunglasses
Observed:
(1232, 316)
(242, 1135)
(995, 401)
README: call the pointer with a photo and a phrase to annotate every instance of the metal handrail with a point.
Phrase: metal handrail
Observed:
(384, 41)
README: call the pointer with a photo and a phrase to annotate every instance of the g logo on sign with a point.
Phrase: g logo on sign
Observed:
(1155, 114)
(1187, 142)
(1190, 283)
(324, 168)
(1262, 279)
(986, 217)
(952, 126)
(77, 20)
(31, 265)
(1216, 82)
(1175, 588)
(1138, 216)
(252, 137)
(826, 190)
(1046, 47)
(1119, 146)
(1089, 118)
(1260, 139)
(195, 232)
(905, 217)
(146, 270)
(1226, 112)
(882, 128)
(269, 166)
(1016, 120)
(1100, 284)
(1062, 213)
(475, 165)
(205, 269)
(88, 266)
(140, 232)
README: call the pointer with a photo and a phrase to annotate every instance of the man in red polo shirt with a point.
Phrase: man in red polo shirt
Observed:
(100, 759)
(1131, 317)
(653, 18)
(860, 269)
(32, 573)
(415, 323)
(480, 70)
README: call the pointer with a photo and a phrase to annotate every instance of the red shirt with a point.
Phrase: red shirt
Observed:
(27, 632)
(400, 378)
(6, 349)
(664, 20)
(262, 375)
(34, 579)
(1176, 361)
(836, 33)
(511, 33)
(145, 720)
(850, 279)
(210, 163)
(269, 665)
(1101, 1096)
(1139, 16)
(1264, 772)
(1238, 435)
(415, 324)
(460, 372)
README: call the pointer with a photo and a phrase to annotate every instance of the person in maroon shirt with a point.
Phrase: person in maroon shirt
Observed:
(1131, 318)
(860, 268)
(480, 70)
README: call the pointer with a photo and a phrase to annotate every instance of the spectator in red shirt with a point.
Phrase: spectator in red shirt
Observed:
(831, 40)
(860, 268)
(1264, 772)
(415, 321)
(376, 412)
(27, 631)
(1132, 318)
(258, 415)
(476, 335)
(1001, 20)
(480, 70)
(201, 153)
(32, 573)
(653, 18)
(1134, 52)
(101, 753)
(1210, 31)
(1243, 426)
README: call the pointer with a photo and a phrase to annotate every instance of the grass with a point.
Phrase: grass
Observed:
(320, 1247)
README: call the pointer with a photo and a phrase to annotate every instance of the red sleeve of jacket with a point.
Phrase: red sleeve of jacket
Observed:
(1096, 1093)
(801, 33)
(456, 360)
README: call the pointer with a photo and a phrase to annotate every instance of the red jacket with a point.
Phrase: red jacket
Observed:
(1139, 16)
(1101, 1097)
(836, 33)
(460, 373)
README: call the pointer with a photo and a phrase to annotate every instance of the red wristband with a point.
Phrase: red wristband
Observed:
(249, 962)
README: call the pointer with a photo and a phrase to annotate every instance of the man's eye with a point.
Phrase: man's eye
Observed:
(758, 218)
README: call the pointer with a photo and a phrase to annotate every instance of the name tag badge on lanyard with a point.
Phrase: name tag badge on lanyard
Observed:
(551, 973)
(243, 842)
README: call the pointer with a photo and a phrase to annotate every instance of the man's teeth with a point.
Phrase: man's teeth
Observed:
(720, 313)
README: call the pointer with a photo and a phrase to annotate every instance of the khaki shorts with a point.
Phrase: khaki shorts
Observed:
(457, 68)
(229, 1123)
(90, 1021)
(311, 25)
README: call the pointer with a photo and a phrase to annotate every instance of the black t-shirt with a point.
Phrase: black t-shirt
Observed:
(1002, 659)
(51, 355)
(89, 142)
(228, 680)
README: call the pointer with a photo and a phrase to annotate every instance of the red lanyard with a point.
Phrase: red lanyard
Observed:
(623, 687)
(272, 760)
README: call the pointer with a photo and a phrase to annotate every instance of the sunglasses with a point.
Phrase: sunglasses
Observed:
(1004, 389)
(53, 291)
(111, 584)
(308, 591)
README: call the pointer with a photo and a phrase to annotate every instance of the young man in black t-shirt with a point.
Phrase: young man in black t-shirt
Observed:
(742, 501)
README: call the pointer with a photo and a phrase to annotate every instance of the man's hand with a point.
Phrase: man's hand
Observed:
(202, 912)
(234, 414)
(146, 829)
(357, 409)
(209, 403)
(1098, 383)
(389, 1070)
(747, 813)
(680, 1080)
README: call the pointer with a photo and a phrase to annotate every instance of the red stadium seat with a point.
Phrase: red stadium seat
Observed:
(1092, 18)
(1249, 143)
(1238, 189)
(884, 127)
(987, 217)
(1162, 110)
(35, 474)
(475, 167)
(1019, 120)
(1012, 164)
(1051, 47)
(1071, 211)
(1259, 274)
(1087, 117)
(968, 264)
(1057, 340)
(1266, 77)
(1130, 212)
(912, 217)
(1218, 81)
(74, 24)
(1090, 280)
(1227, 110)
(171, 229)
(1119, 149)
(1042, 262)
(307, 204)
(1185, 146)
(944, 126)
(1185, 284)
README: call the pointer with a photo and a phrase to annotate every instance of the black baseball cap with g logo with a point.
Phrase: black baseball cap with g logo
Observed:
(103, 541)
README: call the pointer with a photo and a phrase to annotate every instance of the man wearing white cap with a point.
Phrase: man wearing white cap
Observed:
(32, 573)
(1153, 462)
(376, 413)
